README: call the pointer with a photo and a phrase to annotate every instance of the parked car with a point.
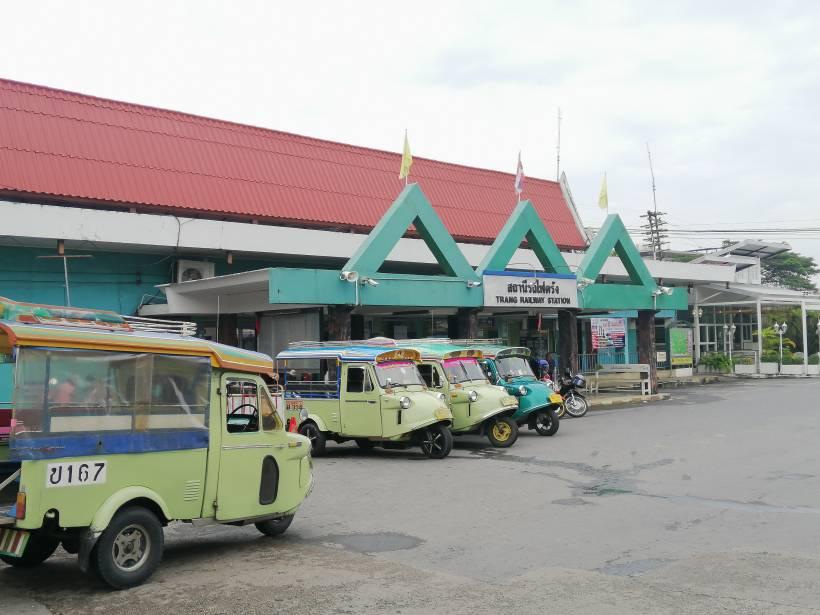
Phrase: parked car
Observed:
(116, 433)
(371, 394)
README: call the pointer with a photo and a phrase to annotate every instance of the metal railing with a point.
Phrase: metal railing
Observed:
(158, 325)
(588, 363)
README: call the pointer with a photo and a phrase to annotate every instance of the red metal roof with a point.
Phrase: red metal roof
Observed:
(74, 146)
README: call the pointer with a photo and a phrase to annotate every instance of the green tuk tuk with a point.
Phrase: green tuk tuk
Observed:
(373, 395)
(117, 432)
(509, 367)
(477, 406)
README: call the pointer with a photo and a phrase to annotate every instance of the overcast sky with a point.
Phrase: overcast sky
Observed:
(726, 93)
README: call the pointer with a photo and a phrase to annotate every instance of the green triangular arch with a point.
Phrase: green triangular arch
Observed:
(411, 207)
(524, 222)
(613, 236)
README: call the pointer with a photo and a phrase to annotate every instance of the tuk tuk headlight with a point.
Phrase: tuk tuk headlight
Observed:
(472, 396)
(404, 402)
(442, 398)
(522, 390)
(303, 415)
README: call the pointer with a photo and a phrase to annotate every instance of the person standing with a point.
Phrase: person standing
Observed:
(551, 365)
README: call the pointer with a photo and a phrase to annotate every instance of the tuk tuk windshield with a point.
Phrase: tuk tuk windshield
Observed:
(513, 367)
(398, 374)
(463, 370)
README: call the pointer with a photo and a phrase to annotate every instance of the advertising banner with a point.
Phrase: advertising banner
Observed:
(608, 332)
(680, 343)
(529, 290)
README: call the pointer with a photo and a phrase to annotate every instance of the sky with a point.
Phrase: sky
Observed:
(725, 93)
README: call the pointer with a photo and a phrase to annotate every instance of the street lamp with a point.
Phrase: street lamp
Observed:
(818, 338)
(729, 337)
(780, 330)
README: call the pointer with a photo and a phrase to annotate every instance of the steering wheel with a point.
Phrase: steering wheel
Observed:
(254, 415)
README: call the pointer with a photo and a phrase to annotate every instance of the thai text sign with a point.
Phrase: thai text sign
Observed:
(529, 289)
(608, 332)
(680, 343)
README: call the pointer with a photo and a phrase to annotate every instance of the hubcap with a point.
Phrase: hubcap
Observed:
(131, 548)
(433, 441)
(501, 431)
(544, 424)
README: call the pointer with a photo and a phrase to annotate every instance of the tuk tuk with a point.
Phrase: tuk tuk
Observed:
(509, 367)
(118, 431)
(373, 395)
(478, 407)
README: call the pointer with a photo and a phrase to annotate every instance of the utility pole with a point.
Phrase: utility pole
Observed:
(656, 226)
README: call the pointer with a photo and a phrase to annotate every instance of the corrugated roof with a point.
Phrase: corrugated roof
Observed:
(74, 146)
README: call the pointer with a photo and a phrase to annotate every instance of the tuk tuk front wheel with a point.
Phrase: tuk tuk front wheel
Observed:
(560, 410)
(39, 548)
(546, 422)
(317, 439)
(130, 548)
(436, 441)
(502, 432)
(274, 527)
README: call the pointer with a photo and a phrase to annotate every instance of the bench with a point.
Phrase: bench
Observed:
(618, 375)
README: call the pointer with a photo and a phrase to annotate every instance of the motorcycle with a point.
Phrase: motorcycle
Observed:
(575, 403)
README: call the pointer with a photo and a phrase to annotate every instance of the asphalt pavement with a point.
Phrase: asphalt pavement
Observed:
(704, 503)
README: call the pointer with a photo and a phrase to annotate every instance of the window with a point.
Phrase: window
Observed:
(93, 402)
(270, 418)
(430, 375)
(241, 406)
(358, 380)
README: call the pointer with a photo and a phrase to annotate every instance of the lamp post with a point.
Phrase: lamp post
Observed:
(697, 313)
(780, 330)
(729, 337)
(818, 339)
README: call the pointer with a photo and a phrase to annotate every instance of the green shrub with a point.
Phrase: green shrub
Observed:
(792, 359)
(814, 359)
(716, 361)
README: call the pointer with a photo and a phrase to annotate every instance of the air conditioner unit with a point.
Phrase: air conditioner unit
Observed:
(187, 271)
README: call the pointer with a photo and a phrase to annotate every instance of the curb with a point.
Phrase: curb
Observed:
(623, 401)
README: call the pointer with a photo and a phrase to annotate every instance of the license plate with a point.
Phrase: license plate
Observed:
(556, 398)
(13, 542)
(76, 473)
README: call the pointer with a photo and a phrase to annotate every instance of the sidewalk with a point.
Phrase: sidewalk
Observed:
(622, 398)
(631, 397)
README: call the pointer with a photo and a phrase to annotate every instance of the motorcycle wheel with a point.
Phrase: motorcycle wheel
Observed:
(560, 410)
(576, 406)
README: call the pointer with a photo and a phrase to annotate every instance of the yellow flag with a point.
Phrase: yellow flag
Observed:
(406, 159)
(603, 198)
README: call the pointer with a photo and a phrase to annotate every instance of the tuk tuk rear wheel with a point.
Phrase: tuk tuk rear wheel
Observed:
(502, 432)
(436, 441)
(317, 439)
(546, 422)
(39, 548)
(274, 527)
(130, 548)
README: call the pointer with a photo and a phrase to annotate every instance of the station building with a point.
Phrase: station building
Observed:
(264, 237)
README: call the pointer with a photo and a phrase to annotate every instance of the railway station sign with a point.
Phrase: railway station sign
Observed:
(525, 289)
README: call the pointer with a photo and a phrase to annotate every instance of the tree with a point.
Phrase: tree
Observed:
(790, 270)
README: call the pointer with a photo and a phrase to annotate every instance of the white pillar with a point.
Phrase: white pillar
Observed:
(696, 337)
(759, 335)
(805, 339)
